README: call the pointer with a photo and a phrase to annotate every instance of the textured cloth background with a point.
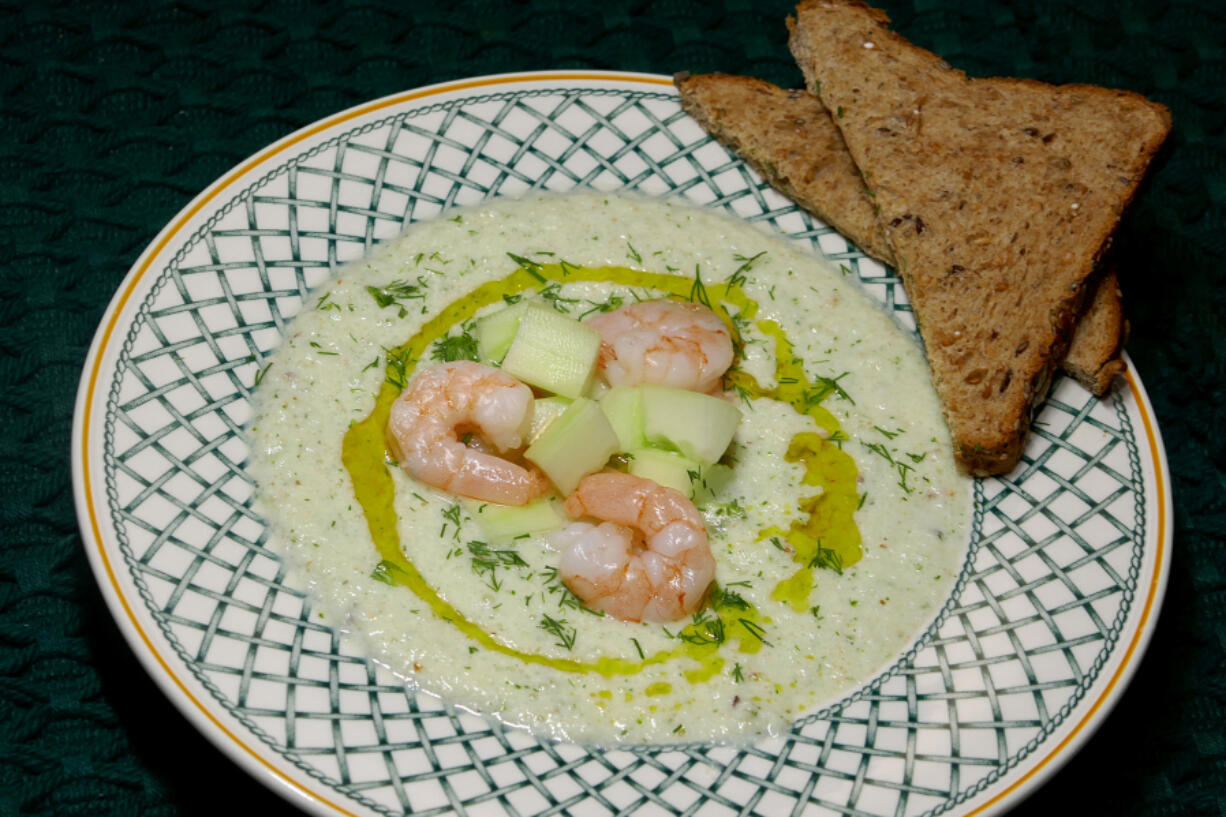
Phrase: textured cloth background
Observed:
(113, 115)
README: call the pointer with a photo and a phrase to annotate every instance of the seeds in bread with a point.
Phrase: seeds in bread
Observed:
(791, 140)
(997, 197)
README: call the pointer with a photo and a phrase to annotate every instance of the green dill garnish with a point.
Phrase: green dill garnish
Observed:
(825, 387)
(698, 291)
(260, 373)
(737, 674)
(559, 629)
(324, 304)
(827, 558)
(889, 435)
(638, 647)
(372, 364)
(744, 394)
(737, 278)
(901, 467)
(614, 302)
(486, 560)
(705, 629)
(755, 630)
(634, 254)
(732, 509)
(396, 292)
(456, 347)
(553, 294)
(526, 263)
(917, 457)
(321, 350)
(398, 361)
(452, 515)
(382, 573)
(724, 599)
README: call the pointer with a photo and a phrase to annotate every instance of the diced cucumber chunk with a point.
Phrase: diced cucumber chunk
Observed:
(552, 352)
(623, 405)
(496, 330)
(502, 523)
(668, 468)
(544, 411)
(576, 444)
(697, 425)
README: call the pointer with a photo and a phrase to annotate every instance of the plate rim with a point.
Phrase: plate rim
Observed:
(295, 787)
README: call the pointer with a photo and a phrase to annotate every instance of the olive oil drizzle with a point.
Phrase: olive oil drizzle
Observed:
(364, 455)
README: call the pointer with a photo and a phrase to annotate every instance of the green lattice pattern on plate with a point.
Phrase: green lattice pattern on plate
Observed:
(1037, 610)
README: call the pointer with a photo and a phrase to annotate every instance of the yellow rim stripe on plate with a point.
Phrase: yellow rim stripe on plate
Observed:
(1154, 582)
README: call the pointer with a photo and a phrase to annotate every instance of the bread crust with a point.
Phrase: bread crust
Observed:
(788, 136)
(998, 197)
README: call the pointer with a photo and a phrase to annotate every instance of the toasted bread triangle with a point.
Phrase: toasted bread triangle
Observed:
(997, 197)
(789, 138)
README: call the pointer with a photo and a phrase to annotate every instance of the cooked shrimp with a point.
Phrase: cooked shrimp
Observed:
(443, 402)
(660, 577)
(668, 343)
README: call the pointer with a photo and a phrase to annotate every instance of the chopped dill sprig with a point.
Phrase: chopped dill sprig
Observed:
(901, 467)
(559, 629)
(486, 561)
(756, 630)
(724, 599)
(456, 347)
(737, 278)
(705, 629)
(614, 302)
(732, 509)
(553, 294)
(825, 387)
(698, 291)
(827, 558)
(395, 293)
(398, 361)
(452, 515)
(526, 263)
(382, 573)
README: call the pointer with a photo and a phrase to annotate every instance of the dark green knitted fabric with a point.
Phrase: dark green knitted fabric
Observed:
(113, 115)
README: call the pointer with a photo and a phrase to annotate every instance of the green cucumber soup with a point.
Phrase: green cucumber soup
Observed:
(838, 530)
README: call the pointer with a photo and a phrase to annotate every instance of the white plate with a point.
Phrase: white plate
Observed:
(1046, 624)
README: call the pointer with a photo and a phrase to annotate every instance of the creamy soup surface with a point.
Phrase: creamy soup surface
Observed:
(487, 625)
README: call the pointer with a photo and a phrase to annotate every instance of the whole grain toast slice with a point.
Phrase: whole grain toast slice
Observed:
(790, 139)
(997, 198)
